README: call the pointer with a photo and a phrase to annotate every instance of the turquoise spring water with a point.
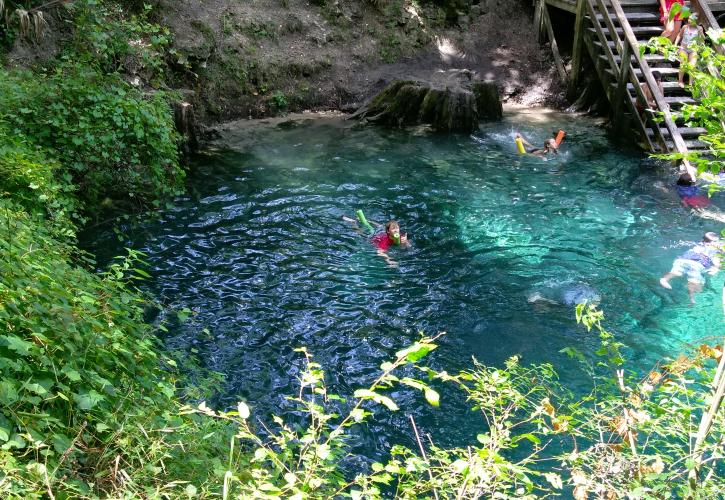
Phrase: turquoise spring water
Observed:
(259, 251)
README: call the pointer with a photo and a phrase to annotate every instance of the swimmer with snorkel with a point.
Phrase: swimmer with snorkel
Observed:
(382, 241)
(551, 145)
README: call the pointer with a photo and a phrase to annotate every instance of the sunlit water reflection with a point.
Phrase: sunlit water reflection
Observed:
(259, 251)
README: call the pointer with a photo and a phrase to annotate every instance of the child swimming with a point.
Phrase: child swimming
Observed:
(383, 241)
(550, 146)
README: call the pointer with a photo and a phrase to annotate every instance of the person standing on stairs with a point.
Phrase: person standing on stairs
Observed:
(672, 26)
(685, 38)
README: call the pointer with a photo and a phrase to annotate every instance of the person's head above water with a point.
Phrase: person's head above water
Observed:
(550, 145)
(392, 229)
(710, 237)
(685, 180)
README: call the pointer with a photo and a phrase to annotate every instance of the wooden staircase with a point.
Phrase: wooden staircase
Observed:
(612, 32)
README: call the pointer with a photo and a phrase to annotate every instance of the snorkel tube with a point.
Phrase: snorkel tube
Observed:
(364, 222)
(560, 137)
(520, 145)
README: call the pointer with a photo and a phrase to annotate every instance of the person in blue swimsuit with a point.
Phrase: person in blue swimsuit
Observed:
(702, 257)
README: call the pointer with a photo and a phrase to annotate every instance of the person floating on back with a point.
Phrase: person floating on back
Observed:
(702, 257)
(382, 241)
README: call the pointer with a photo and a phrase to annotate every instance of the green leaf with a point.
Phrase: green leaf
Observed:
(15, 441)
(72, 374)
(432, 397)
(378, 398)
(415, 352)
(8, 393)
(87, 400)
(243, 410)
(17, 344)
(6, 428)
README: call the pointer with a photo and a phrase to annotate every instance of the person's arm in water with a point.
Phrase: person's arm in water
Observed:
(716, 264)
(523, 139)
(391, 262)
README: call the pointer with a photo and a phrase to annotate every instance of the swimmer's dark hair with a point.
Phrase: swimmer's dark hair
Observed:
(710, 236)
(685, 180)
(657, 76)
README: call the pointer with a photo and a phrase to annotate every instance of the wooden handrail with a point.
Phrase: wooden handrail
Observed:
(616, 70)
(659, 98)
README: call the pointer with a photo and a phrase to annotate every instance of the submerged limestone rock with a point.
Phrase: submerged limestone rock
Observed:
(568, 293)
(452, 101)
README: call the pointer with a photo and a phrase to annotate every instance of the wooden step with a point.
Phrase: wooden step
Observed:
(652, 59)
(670, 88)
(665, 72)
(638, 18)
(673, 102)
(655, 61)
(692, 145)
(643, 33)
(635, 3)
(685, 132)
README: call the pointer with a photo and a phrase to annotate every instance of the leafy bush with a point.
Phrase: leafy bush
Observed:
(30, 179)
(86, 400)
(111, 40)
(113, 140)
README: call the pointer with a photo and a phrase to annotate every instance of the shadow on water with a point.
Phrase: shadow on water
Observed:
(259, 251)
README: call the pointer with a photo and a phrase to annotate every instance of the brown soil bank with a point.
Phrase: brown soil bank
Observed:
(255, 58)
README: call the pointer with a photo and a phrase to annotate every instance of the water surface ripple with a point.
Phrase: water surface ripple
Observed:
(259, 251)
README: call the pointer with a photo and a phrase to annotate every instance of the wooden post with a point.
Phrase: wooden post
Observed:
(576, 57)
(537, 20)
(622, 80)
(558, 62)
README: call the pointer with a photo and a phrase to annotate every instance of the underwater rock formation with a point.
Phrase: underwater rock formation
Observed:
(564, 294)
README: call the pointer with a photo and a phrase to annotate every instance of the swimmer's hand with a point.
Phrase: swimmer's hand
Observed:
(404, 240)
(387, 258)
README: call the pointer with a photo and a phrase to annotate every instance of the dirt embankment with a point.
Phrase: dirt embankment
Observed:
(257, 58)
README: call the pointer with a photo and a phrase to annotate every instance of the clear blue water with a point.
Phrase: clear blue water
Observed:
(259, 251)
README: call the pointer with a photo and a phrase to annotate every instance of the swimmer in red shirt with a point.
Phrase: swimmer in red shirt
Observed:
(382, 241)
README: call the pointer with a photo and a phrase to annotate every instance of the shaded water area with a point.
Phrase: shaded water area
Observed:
(258, 250)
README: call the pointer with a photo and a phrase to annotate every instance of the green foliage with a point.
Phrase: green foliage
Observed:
(112, 140)
(32, 181)
(629, 438)
(278, 101)
(108, 38)
(86, 400)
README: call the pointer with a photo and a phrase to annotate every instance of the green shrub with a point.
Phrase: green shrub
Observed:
(113, 140)
(83, 388)
(30, 179)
